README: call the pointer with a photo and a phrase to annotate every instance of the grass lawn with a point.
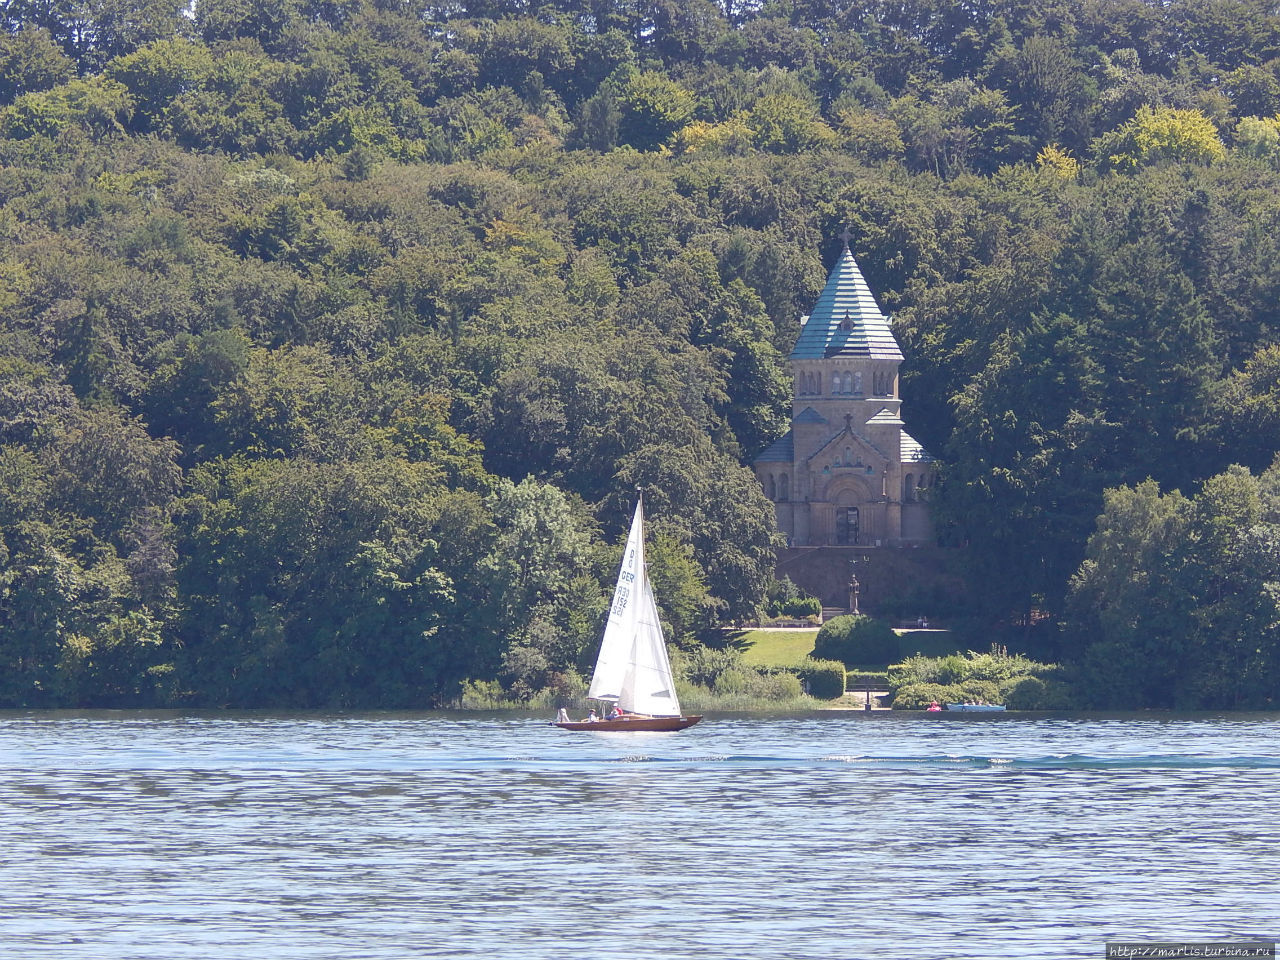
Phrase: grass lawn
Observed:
(785, 648)
(776, 648)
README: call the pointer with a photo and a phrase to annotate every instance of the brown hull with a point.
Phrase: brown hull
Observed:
(631, 724)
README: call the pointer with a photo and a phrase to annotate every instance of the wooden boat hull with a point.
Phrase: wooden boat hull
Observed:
(630, 724)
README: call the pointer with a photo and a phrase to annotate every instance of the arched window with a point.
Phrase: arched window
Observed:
(784, 491)
(908, 488)
(848, 456)
(848, 382)
(814, 385)
(770, 490)
(857, 382)
(835, 383)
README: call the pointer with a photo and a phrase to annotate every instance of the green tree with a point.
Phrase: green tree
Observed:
(653, 107)
(307, 584)
(30, 62)
(96, 106)
(535, 578)
(1129, 611)
(158, 74)
(1246, 410)
(784, 123)
(1157, 135)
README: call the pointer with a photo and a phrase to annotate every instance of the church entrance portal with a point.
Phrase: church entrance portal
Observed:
(847, 526)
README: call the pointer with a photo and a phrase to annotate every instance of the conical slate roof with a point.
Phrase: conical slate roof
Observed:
(846, 321)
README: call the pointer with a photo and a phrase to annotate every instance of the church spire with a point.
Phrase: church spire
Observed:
(846, 321)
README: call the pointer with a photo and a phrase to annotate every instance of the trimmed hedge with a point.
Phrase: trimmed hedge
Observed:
(823, 678)
(856, 640)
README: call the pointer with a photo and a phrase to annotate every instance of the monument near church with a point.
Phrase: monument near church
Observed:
(847, 481)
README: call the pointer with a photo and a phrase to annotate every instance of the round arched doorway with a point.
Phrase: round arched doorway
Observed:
(848, 498)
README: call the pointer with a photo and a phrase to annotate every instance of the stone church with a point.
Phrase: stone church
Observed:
(847, 474)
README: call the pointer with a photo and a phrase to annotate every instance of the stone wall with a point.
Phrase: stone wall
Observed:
(893, 582)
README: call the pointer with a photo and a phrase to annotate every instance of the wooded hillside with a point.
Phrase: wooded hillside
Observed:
(336, 335)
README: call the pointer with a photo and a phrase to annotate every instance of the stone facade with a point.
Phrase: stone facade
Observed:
(847, 473)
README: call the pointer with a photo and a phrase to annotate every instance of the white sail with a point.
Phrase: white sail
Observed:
(619, 631)
(633, 668)
(649, 687)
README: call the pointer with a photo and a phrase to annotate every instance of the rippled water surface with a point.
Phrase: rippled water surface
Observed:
(842, 835)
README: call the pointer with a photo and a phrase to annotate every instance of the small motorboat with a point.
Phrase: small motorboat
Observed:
(975, 707)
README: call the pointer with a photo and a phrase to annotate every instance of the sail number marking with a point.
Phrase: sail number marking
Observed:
(620, 600)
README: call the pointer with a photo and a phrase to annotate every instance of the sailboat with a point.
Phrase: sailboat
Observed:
(633, 670)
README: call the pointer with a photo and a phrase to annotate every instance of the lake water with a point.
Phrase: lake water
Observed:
(382, 837)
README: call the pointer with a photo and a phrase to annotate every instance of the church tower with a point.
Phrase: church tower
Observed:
(847, 473)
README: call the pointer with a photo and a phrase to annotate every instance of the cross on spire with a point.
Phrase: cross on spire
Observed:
(846, 235)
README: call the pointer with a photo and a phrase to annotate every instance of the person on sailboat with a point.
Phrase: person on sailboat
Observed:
(615, 713)
(591, 716)
(562, 716)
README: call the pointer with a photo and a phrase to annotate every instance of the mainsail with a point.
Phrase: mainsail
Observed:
(633, 668)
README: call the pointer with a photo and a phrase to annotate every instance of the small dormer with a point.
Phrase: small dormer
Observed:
(846, 322)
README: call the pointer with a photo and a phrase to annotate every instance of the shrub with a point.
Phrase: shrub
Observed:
(747, 682)
(983, 691)
(780, 686)
(780, 592)
(917, 696)
(997, 668)
(913, 670)
(482, 695)
(703, 665)
(802, 607)
(1033, 693)
(856, 640)
(824, 678)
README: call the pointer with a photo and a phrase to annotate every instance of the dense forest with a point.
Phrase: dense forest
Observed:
(337, 333)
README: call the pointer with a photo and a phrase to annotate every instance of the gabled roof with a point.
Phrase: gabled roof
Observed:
(886, 416)
(846, 321)
(853, 435)
(782, 450)
(809, 415)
